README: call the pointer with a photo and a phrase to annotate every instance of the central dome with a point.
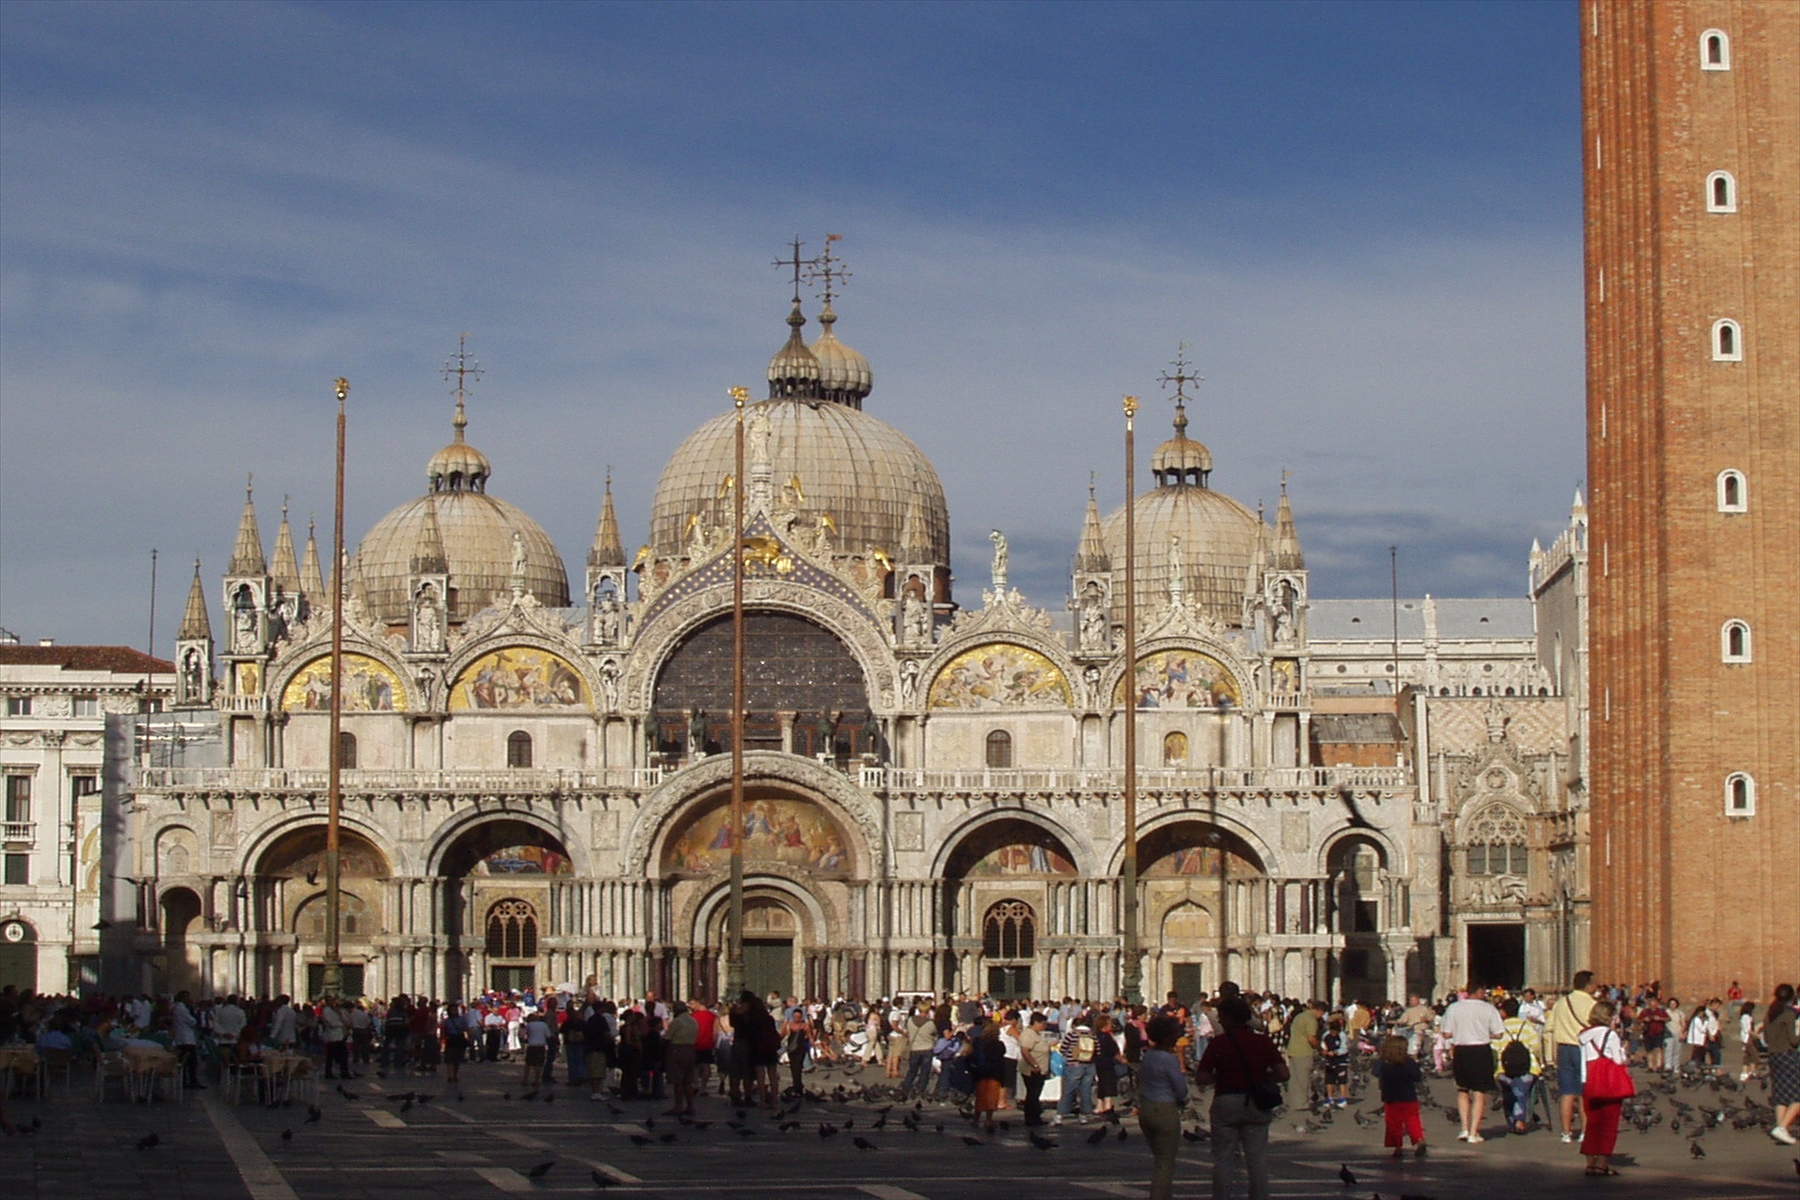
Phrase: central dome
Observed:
(865, 474)
(857, 468)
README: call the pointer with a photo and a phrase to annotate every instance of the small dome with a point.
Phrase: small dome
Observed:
(844, 375)
(477, 535)
(474, 532)
(458, 467)
(860, 470)
(1219, 540)
(1181, 459)
(794, 371)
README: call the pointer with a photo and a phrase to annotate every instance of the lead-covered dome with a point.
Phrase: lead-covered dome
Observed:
(470, 532)
(859, 470)
(1182, 524)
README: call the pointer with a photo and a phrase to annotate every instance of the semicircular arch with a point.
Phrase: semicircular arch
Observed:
(262, 840)
(1340, 841)
(515, 673)
(989, 671)
(463, 837)
(673, 626)
(766, 772)
(1162, 833)
(702, 911)
(376, 681)
(966, 835)
(1183, 670)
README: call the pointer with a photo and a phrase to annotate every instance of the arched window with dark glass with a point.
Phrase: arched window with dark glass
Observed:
(1010, 931)
(347, 750)
(518, 749)
(999, 749)
(1715, 51)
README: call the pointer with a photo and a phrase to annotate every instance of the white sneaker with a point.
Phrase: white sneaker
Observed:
(1462, 1135)
(1567, 1138)
(1475, 1138)
(1781, 1134)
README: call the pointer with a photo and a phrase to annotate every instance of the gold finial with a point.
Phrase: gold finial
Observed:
(829, 269)
(466, 371)
(1131, 407)
(740, 396)
(343, 389)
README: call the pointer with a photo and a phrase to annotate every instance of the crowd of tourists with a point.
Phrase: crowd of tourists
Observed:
(1543, 1061)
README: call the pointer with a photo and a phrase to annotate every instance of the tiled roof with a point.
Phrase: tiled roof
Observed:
(121, 660)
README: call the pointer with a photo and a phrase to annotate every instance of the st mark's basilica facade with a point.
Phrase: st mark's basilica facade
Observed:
(535, 777)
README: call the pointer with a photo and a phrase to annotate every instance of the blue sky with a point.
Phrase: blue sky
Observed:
(1364, 219)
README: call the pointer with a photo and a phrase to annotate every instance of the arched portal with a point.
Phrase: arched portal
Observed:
(1203, 889)
(180, 918)
(1000, 883)
(289, 890)
(500, 897)
(804, 692)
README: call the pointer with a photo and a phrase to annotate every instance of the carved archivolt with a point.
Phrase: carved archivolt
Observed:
(762, 769)
(828, 925)
(656, 641)
(1082, 851)
(301, 656)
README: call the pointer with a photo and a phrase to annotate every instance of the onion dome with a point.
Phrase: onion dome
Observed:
(471, 531)
(844, 375)
(1182, 525)
(1181, 459)
(794, 371)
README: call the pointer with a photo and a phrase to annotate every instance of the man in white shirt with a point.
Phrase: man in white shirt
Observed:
(283, 1025)
(1530, 1007)
(228, 1022)
(1472, 1024)
(334, 1031)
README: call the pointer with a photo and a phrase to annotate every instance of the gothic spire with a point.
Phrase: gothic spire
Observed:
(312, 584)
(608, 550)
(428, 556)
(283, 570)
(1091, 555)
(194, 623)
(247, 555)
(1287, 555)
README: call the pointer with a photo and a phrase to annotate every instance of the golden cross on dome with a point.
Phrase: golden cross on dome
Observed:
(829, 268)
(1181, 378)
(465, 370)
(799, 265)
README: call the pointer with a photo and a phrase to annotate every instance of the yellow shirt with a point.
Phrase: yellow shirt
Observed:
(1569, 1018)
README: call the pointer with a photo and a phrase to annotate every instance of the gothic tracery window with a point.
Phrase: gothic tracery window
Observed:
(1496, 843)
(512, 930)
(1010, 931)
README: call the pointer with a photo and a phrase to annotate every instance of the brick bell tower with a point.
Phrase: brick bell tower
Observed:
(1691, 144)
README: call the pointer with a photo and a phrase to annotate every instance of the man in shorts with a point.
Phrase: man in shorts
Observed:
(1472, 1024)
(1568, 1018)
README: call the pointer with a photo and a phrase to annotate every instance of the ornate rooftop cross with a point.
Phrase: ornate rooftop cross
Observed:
(465, 370)
(1181, 378)
(829, 269)
(799, 266)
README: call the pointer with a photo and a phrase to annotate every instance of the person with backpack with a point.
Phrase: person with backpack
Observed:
(1080, 1047)
(1519, 1059)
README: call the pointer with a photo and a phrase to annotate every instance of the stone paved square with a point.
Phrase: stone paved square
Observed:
(486, 1142)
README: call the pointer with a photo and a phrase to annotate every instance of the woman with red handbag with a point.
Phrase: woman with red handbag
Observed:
(1605, 1086)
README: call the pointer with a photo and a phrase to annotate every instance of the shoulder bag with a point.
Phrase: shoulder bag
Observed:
(1606, 1079)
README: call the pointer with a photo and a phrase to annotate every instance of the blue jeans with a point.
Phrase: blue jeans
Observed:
(1077, 1089)
(1515, 1091)
(918, 1072)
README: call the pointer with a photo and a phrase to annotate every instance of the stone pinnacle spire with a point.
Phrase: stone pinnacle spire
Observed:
(428, 556)
(1091, 555)
(608, 550)
(312, 583)
(284, 570)
(194, 623)
(1287, 555)
(247, 555)
(915, 538)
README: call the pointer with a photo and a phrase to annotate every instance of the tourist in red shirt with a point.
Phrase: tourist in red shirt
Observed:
(1235, 1061)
